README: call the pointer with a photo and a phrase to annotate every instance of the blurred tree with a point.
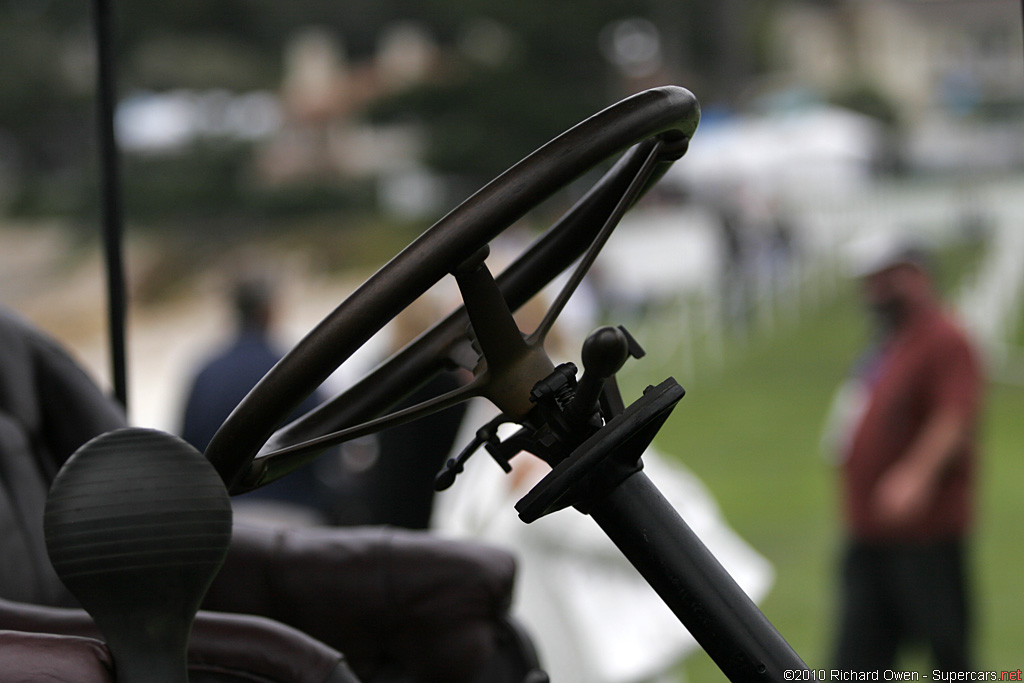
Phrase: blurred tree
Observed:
(525, 71)
(517, 73)
(528, 70)
(38, 93)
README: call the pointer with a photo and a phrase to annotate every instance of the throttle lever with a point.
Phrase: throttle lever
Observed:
(486, 435)
(604, 353)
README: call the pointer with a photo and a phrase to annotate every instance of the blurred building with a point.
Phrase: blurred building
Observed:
(920, 55)
(322, 136)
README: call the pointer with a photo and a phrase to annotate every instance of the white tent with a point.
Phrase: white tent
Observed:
(819, 149)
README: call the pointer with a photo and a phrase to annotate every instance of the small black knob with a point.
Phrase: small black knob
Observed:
(605, 351)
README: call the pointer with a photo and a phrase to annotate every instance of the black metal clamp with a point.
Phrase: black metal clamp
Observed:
(605, 459)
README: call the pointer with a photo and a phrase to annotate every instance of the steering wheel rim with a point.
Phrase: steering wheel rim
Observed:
(669, 113)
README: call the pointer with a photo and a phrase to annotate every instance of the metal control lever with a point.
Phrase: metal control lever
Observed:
(605, 351)
(566, 411)
(485, 436)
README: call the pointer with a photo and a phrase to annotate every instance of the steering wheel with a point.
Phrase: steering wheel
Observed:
(653, 128)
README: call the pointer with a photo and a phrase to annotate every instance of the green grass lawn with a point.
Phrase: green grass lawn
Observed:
(752, 431)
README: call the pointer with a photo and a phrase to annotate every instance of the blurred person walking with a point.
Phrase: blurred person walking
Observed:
(223, 381)
(908, 453)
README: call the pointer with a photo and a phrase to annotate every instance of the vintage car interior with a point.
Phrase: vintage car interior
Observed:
(156, 583)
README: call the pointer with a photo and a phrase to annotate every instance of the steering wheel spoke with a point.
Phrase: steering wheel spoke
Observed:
(628, 198)
(278, 459)
(510, 363)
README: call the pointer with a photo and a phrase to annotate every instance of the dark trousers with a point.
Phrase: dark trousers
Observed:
(897, 595)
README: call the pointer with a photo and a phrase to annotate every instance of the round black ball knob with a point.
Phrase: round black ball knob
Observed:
(137, 525)
(605, 351)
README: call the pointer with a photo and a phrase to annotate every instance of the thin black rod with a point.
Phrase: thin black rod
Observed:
(111, 188)
(629, 197)
(278, 462)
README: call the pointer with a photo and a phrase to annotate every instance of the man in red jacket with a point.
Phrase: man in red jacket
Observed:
(907, 473)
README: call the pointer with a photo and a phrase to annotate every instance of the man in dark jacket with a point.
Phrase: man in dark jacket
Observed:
(225, 379)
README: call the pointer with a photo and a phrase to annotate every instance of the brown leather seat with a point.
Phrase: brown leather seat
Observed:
(62, 644)
(402, 606)
(382, 596)
(53, 658)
